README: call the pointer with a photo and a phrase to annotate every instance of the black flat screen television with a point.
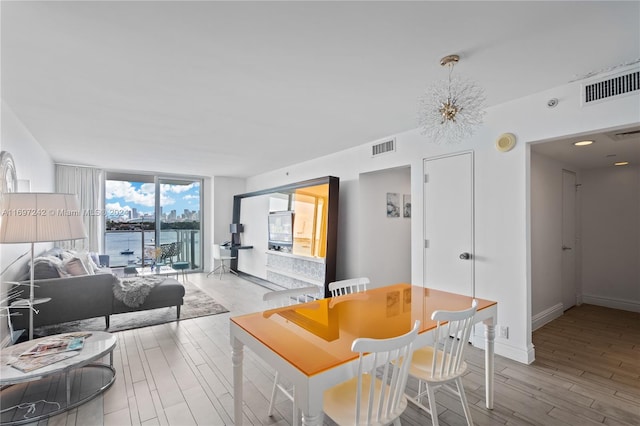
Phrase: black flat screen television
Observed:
(280, 229)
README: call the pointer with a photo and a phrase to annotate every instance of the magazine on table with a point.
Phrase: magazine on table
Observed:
(49, 351)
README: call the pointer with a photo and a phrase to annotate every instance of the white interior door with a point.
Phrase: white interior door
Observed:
(568, 239)
(449, 223)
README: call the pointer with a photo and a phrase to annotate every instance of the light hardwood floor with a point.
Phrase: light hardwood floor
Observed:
(587, 372)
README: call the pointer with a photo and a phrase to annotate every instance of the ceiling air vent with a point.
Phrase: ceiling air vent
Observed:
(611, 87)
(383, 147)
(625, 134)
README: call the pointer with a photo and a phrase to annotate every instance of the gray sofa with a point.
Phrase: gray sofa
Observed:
(88, 296)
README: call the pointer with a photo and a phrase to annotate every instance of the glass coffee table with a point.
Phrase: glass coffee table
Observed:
(160, 270)
(30, 396)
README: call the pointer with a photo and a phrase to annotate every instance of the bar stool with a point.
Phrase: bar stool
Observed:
(181, 266)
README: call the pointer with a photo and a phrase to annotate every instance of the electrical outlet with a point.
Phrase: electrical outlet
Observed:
(503, 332)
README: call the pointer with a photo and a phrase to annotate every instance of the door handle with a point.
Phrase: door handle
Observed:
(465, 256)
(566, 248)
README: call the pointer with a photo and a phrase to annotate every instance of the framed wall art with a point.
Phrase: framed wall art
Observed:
(406, 205)
(393, 204)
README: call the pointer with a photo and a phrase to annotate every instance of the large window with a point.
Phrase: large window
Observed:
(152, 219)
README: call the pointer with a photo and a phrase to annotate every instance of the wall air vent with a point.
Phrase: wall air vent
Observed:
(629, 134)
(611, 87)
(383, 147)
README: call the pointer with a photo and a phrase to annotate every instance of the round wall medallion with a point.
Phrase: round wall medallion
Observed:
(9, 179)
(505, 142)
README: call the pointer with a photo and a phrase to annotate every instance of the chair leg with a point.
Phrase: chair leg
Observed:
(420, 395)
(296, 413)
(432, 405)
(463, 399)
(213, 270)
(276, 385)
(273, 395)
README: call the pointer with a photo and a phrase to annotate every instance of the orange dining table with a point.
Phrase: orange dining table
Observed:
(310, 344)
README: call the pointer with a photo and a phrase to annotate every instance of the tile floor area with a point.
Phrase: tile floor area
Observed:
(180, 374)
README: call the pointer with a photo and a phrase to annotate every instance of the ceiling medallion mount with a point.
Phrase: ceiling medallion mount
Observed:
(449, 59)
(451, 109)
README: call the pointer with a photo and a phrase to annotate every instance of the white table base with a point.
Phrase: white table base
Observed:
(309, 390)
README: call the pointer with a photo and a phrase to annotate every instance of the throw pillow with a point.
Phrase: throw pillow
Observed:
(75, 267)
(88, 262)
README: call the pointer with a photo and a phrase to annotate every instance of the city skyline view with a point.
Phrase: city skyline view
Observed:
(126, 200)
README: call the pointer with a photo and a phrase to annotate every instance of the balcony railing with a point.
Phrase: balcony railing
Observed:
(132, 247)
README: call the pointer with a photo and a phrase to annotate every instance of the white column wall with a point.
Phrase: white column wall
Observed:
(34, 164)
(501, 188)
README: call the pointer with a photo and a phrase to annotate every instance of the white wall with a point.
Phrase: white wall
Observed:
(501, 190)
(222, 190)
(611, 237)
(381, 235)
(546, 238)
(32, 164)
(253, 215)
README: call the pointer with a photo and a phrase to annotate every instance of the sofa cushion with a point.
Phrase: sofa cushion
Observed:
(46, 267)
(169, 292)
(72, 299)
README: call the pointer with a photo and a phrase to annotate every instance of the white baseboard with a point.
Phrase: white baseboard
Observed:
(548, 315)
(523, 355)
(609, 302)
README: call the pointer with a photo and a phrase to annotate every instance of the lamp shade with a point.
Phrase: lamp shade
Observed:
(31, 217)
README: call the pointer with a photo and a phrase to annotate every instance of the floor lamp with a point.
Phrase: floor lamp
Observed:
(31, 217)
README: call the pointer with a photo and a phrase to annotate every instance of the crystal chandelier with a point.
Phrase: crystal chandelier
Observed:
(450, 110)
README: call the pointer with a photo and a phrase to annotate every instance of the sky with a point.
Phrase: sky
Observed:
(121, 196)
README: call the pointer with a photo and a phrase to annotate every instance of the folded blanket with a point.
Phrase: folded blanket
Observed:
(133, 291)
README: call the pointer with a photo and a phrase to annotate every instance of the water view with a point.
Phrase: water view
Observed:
(125, 248)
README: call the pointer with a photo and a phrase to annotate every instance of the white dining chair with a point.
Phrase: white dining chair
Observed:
(443, 363)
(280, 298)
(352, 285)
(217, 255)
(376, 396)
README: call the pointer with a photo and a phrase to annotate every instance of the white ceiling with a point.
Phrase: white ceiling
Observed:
(607, 148)
(239, 88)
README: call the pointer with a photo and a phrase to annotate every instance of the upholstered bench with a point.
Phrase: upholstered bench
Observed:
(168, 293)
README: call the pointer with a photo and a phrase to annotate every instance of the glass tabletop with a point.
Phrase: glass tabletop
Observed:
(317, 336)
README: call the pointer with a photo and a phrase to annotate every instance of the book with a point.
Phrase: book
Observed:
(49, 351)
(29, 363)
